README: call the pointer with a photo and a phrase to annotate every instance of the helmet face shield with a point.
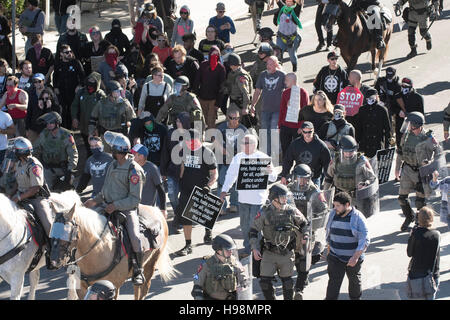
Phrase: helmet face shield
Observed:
(301, 183)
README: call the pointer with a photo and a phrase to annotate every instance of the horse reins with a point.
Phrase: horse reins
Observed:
(72, 258)
(17, 249)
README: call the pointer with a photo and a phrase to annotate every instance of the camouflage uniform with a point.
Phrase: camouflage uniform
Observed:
(30, 174)
(346, 177)
(219, 280)
(418, 15)
(57, 153)
(238, 87)
(112, 116)
(186, 102)
(281, 229)
(415, 149)
(123, 188)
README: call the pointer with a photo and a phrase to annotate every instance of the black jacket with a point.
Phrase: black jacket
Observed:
(315, 154)
(189, 68)
(119, 39)
(387, 92)
(373, 129)
(422, 248)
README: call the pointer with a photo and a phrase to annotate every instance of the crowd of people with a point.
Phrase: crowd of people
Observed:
(148, 89)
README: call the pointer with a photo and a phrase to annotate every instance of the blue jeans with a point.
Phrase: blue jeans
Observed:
(269, 121)
(247, 213)
(291, 50)
(173, 189)
(61, 23)
(233, 193)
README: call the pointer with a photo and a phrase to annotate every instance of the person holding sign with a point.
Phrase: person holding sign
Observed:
(250, 200)
(293, 99)
(198, 168)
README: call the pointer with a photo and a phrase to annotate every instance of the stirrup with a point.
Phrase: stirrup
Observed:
(138, 278)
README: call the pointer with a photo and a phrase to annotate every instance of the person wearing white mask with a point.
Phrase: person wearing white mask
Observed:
(373, 126)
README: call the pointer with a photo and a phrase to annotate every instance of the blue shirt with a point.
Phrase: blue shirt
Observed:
(223, 35)
(358, 229)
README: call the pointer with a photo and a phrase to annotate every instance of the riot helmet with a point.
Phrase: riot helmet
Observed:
(117, 141)
(113, 86)
(266, 49)
(101, 290)
(50, 118)
(302, 176)
(234, 59)
(22, 147)
(413, 121)
(279, 193)
(266, 33)
(181, 84)
(226, 245)
(10, 158)
(348, 149)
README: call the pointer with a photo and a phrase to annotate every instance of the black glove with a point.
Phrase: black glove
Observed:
(68, 177)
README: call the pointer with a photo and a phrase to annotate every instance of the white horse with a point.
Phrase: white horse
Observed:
(14, 233)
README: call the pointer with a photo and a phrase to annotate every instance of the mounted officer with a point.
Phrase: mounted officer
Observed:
(417, 147)
(372, 8)
(31, 188)
(219, 276)
(181, 101)
(350, 171)
(112, 113)
(419, 11)
(282, 226)
(57, 151)
(309, 200)
(121, 193)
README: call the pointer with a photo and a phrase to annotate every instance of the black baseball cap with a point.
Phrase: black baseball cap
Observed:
(332, 54)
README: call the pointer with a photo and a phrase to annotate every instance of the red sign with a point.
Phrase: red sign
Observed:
(352, 99)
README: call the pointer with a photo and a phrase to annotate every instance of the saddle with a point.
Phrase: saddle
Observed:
(386, 18)
(37, 233)
(149, 228)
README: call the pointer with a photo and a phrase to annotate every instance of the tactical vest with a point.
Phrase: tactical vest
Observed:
(221, 276)
(184, 104)
(345, 175)
(112, 116)
(333, 134)
(235, 92)
(301, 198)
(409, 148)
(418, 4)
(278, 227)
(54, 150)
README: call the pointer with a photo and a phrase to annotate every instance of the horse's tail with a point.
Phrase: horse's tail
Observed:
(165, 265)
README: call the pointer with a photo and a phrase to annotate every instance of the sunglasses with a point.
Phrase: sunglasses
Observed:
(67, 52)
(184, 12)
(161, 40)
(220, 11)
(234, 118)
(333, 59)
(307, 132)
(95, 32)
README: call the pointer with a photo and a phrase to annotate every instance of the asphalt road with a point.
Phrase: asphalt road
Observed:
(384, 270)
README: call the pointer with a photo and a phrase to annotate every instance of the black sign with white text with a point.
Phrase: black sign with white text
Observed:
(385, 158)
(253, 174)
(202, 208)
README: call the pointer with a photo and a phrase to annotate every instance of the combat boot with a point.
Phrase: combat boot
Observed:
(288, 288)
(138, 271)
(407, 211)
(298, 295)
(428, 44)
(207, 238)
(320, 46)
(413, 52)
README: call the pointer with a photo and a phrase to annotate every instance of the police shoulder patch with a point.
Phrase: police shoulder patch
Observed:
(134, 179)
(258, 215)
(36, 170)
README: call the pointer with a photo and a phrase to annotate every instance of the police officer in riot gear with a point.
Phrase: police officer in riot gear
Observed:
(122, 192)
(350, 170)
(181, 101)
(31, 187)
(417, 147)
(282, 226)
(57, 151)
(219, 276)
(101, 290)
(419, 11)
(304, 191)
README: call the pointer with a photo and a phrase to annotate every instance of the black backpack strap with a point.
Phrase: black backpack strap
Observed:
(33, 23)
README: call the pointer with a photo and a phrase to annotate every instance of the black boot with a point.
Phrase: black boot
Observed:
(138, 271)
(294, 67)
(207, 238)
(409, 214)
(320, 46)
(413, 52)
(288, 288)
(428, 44)
(267, 288)
(379, 37)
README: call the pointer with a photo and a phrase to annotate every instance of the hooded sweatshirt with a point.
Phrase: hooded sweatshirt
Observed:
(84, 102)
(208, 82)
(181, 27)
(167, 167)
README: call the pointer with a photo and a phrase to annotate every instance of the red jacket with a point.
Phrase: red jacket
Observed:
(285, 96)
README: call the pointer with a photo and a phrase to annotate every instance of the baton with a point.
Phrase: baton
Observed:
(432, 21)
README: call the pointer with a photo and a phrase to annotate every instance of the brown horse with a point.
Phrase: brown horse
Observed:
(96, 256)
(353, 37)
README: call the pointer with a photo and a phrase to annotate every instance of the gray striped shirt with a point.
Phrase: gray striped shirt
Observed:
(342, 242)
